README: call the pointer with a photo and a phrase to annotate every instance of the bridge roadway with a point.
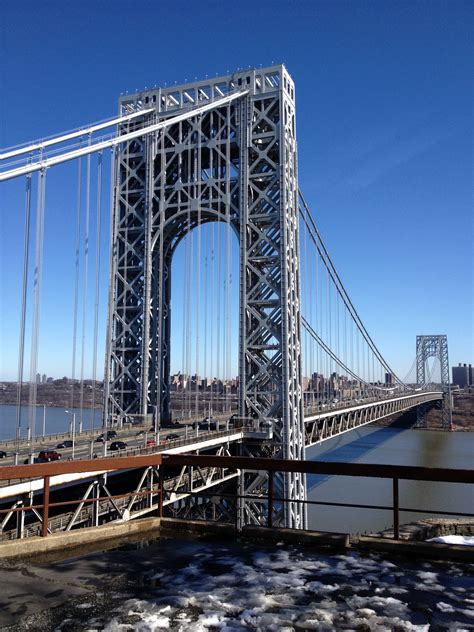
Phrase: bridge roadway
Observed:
(321, 423)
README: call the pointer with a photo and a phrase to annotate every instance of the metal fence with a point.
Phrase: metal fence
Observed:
(167, 464)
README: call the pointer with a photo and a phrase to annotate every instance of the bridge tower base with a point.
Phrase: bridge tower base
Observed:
(234, 162)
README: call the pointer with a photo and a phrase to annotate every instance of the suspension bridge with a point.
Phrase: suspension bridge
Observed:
(205, 173)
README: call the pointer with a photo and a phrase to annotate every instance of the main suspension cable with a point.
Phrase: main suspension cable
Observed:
(325, 257)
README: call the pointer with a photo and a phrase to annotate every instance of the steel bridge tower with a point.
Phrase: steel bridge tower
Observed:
(234, 163)
(434, 347)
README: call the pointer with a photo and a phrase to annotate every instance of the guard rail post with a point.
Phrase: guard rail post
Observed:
(396, 507)
(162, 488)
(44, 531)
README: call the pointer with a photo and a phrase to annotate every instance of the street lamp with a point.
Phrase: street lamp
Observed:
(73, 436)
(44, 419)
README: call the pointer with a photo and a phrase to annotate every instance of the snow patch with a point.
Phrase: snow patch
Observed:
(445, 607)
(462, 540)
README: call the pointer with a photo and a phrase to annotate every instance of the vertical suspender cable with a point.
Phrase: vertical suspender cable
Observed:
(368, 364)
(184, 378)
(85, 286)
(97, 284)
(307, 292)
(329, 333)
(358, 356)
(159, 312)
(213, 311)
(188, 291)
(21, 349)
(197, 180)
(187, 312)
(76, 277)
(345, 338)
(229, 265)
(338, 340)
(321, 324)
(314, 318)
(111, 293)
(38, 273)
(317, 364)
(303, 296)
(219, 320)
(206, 308)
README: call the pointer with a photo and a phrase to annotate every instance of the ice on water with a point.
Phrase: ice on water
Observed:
(296, 589)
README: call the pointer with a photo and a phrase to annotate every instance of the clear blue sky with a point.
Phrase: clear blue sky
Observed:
(384, 120)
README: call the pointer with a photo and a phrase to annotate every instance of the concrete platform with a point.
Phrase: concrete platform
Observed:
(429, 550)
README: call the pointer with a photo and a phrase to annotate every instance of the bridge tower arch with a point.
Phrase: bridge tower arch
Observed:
(236, 163)
(434, 347)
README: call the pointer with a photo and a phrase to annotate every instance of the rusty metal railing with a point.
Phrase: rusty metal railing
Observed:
(271, 466)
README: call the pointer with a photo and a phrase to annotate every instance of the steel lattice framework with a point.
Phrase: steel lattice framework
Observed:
(236, 163)
(434, 347)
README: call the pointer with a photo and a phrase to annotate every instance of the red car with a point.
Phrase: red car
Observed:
(49, 455)
(151, 443)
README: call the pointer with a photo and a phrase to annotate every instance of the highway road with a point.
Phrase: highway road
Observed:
(86, 444)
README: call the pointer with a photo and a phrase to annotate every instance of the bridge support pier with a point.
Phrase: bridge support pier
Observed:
(434, 347)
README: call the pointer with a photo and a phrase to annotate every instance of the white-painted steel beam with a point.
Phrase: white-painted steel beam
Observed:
(42, 144)
(117, 140)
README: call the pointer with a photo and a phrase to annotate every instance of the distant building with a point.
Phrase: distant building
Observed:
(462, 375)
(388, 379)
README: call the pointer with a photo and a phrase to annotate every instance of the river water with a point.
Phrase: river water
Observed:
(55, 420)
(391, 446)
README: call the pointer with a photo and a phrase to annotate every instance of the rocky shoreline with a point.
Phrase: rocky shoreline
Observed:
(427, 528)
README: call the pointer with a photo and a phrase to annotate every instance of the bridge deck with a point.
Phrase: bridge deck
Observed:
(320, 426)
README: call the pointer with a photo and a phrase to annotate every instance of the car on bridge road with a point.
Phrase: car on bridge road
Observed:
(111, 434)
(65, 444)
(151, 443)
(172, 437)
(209, 423)
(3, 454)
(118, 445)
(48, 455)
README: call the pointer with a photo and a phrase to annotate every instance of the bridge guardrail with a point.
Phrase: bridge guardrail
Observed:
(58, 436)
(100, 506)
(322, 407)
(144, 451)
(268, 499)
(328, 406)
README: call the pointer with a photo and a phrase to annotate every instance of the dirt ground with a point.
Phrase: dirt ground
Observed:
(463, 414)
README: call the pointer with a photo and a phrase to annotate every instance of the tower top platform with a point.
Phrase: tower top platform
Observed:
(257, 81)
